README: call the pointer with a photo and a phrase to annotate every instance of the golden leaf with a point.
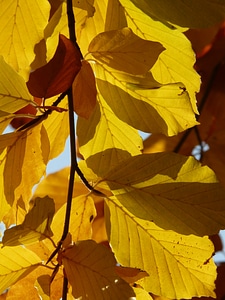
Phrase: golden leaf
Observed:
(179, 266)
(90, 268)
(36, 225)
(125, 51)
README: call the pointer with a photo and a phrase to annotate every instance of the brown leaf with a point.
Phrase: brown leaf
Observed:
(58, 74)
(84, 91)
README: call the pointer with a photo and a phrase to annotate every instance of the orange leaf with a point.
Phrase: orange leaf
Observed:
(84, 91)
(58, 74)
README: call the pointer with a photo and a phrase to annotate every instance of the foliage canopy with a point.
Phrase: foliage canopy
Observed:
(127, 220)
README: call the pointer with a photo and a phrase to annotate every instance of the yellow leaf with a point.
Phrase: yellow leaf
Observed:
(43, 286)
(186, 13)
(179, 266)
(36, 225)
(141, 294)
(125, 51)
(115, 16)
(16, 263)
(173, 191)
(84, 91)
(5, 119)
(20, 147)
(175, 64)
(90, 268)
(88, 28)
(158, 110)
(56, 187)
(57, 129)
(82, 216)
(130, 275)
(13, 91)
(21, 28)
(86, 5)
(103, 131)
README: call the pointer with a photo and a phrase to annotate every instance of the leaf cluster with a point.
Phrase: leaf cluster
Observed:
(127, 219)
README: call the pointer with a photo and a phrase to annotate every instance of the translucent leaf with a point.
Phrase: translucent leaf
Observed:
(13, 91)
(130, 275)
(173, 191)
(58, 74)
(82, 215)
(175, 64)
(42, 284)
(90, 268)
(56, 130)
(141, 294)
(56, 187)
(104, 131)
(36, 225)
(186, 13)
(179, 266)
(86, 5)
(21, 28)
(115, 16)
(16, 263)
(84, 91)
(125, 51)
(20, 147)
(165, 105)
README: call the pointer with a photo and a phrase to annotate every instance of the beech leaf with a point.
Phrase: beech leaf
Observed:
(186, 13)
(179, 266)
(14, 94)
(84, 91)
(15, 263)
(173, 191)
(16, 181)
(82, 215)
(58, 74)
(21, 28)
(90, 269)
(175, 63)
(125, 51)
(36, 225)
(102, 131)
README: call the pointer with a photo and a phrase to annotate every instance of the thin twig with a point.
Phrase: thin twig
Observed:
(73, 164)
(44, 116)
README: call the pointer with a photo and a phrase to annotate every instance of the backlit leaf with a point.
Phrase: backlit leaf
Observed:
(57, 131)
(82, 216)
(84, 91)
(16, 263)
(22, 27)
(179, 266)
(164, 106)
(104, 131)
(36, 225)
(201, 13)
(141, 294)
(58, 74)
(90, 268)
(13, 91)
(86, 5)
(115, 16)
(42, 284)
(125, 51)
(173, 191)
(175, 64)
(22, 146)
